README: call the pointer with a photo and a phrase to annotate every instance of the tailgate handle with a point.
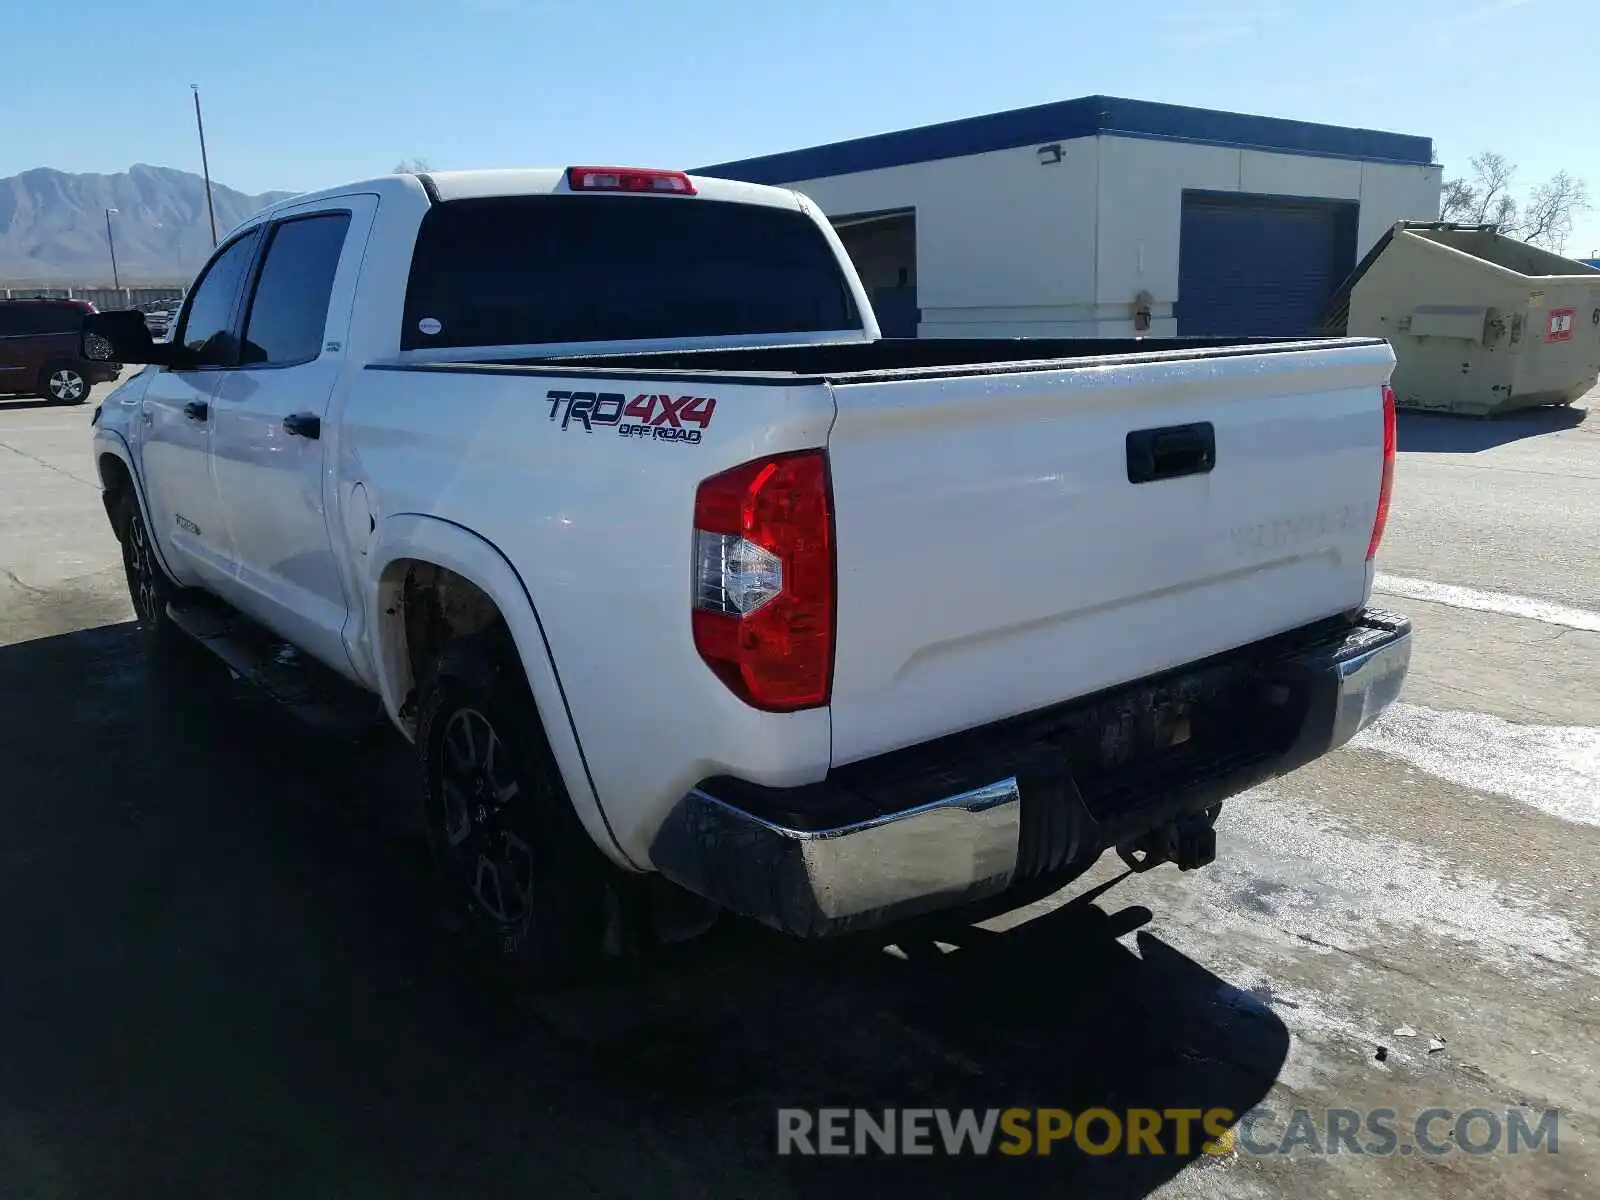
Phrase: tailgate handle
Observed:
(1172, 452)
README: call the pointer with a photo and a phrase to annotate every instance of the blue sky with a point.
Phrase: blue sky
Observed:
(306, 93)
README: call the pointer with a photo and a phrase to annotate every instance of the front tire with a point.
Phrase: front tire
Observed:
(518, 869)
(148, 585)
(63, 383)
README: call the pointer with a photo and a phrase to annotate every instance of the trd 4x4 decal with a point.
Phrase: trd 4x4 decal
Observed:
(648, 417)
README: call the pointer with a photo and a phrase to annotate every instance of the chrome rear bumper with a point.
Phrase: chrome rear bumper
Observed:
(843, 855)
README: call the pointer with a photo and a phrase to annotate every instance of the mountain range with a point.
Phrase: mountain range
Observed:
(53, 224)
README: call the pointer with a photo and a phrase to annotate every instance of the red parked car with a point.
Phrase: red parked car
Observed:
(40, 353)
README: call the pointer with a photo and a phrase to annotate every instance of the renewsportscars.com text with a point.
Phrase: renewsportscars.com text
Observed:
(1259, 1132)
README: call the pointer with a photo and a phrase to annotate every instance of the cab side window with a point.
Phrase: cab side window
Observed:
(208, 326)
(288, 314)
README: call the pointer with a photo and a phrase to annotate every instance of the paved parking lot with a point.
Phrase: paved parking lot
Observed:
(222, 975)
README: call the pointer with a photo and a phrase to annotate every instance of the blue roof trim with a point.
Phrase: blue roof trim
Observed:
(1068, 119)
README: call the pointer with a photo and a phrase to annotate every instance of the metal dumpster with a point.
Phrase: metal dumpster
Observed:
(1480, 323)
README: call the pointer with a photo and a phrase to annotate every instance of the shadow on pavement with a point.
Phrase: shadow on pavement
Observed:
(223, 976)
(1437, 433)
(18, 403)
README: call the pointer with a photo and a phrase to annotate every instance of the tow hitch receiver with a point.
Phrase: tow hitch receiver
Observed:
(1190, 842)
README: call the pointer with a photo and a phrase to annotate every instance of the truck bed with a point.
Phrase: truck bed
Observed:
(890, 359)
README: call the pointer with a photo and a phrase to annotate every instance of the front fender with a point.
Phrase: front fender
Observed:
(458, 549)
(110, 441)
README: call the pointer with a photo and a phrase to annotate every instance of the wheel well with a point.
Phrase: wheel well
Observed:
(115, 483)
(70, 364)
(425, 607)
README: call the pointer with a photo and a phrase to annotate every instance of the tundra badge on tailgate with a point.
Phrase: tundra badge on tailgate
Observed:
(656, 418)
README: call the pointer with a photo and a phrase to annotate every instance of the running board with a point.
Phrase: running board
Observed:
(314, 693)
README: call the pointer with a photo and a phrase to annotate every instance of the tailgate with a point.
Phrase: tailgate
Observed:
(995, 557)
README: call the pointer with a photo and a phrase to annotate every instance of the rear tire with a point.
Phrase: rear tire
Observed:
(63, 383)
(519, 872)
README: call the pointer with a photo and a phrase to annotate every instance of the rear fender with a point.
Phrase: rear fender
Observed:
(458, 549)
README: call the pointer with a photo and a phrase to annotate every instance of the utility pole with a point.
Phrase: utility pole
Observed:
(116, 280)
(205, 164)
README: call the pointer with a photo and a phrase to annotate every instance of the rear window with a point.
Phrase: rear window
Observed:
(517, 270)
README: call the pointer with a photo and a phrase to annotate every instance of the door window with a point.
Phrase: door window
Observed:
(208, 326)
(289, 312)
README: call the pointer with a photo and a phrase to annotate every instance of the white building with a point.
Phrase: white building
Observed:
(1068, 219)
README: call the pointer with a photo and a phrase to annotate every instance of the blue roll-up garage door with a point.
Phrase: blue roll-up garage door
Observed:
(1260, 266)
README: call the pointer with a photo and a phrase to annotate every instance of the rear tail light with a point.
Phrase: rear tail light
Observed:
(763, 601)
(628, 179)
(1386, 485)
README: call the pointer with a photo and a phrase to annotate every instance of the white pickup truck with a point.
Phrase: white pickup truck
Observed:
(603, 486)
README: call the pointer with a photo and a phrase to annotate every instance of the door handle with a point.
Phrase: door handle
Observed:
(197, 410)
(304, 425)
(1172, 452)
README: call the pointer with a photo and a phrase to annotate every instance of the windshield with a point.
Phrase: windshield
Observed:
(520, 270)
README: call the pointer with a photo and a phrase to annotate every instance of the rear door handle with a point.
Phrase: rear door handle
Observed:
(1171, 452)
(197, 410)
(304, 425)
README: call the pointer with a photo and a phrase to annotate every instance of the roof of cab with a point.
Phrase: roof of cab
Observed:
(463, 185)
(532, 181)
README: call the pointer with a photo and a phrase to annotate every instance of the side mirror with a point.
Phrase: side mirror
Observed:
(122, 336)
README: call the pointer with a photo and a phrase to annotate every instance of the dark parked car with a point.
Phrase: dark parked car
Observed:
(159, 315)
(40, 352)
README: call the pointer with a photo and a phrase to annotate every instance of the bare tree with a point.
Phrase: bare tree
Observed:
(1486, 198)
(1543, 218)
(1547, 216)
(411, 166)
(1456, 199)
